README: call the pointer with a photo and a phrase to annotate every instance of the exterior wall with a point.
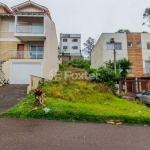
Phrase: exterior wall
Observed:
(70, 44)
(34, 82)
(30, 9)
(100, 54)
(145, 38)
(4, 33)
(135, 54)
(50, 49)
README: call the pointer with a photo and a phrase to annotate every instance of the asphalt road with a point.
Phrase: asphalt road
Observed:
(31, 134)
(11, 95)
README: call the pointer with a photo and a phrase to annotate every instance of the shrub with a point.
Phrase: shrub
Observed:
(77, 63)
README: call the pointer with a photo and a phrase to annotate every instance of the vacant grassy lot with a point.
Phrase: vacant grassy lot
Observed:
(81, 101)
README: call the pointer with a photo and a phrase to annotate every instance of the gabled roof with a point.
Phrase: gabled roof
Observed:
(30, 3)
(6, 8)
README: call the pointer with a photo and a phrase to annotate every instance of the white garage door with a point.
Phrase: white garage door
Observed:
(20, 72)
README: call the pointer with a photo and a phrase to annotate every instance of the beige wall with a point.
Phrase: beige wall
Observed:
(50, 48)
(100, 54)
(145, 38)
(4, 27)
(34, 82)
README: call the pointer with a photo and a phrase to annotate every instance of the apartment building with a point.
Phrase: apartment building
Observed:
(132, 46)
(70, 47)
(28, 42)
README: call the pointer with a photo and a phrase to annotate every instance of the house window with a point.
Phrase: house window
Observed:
(148, 45)
(36, 51)
(11, 27)
(111, 46)
(138, 44)
(75, 40)
(65, 47)
(75, 47)
(147, 67)
(129, 44)
(64, 40)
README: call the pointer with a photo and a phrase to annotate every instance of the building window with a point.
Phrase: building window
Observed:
(147, 67)
(75, 40)
(111, 46)
(64, 40)
(148, 45)
(129, 44)
(65, 47)
(138, 44)
(36, 51)
(11, 27)
(75, 47)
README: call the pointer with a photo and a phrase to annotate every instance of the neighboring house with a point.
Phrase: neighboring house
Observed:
(70, 47)
(132, 46)
(28, 42)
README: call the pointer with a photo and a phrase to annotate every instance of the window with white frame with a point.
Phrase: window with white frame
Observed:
(75, 40)
(65, 47)
(129, 44)
(64, 40)
(138, 44)
(112, 46)
(11, 27)
(74, 47)
(148, 45)
(36, 51)
(147, 67)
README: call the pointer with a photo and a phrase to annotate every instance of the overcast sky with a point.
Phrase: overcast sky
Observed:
(90, 18)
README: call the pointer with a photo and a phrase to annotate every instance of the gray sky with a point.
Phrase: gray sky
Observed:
(90, 18)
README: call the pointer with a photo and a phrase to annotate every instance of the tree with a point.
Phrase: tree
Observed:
(144, 32)
(146, 15)
(123, 66)
(123, 31)
(89, 44)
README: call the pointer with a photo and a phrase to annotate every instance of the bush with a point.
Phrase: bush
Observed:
(106, 76)
(77, 63)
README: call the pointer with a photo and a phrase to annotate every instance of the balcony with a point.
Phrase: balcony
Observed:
(70, 54)
(15, 54)
(30, 28)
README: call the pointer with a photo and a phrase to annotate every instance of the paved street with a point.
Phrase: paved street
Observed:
(11, 95)
(30, 134)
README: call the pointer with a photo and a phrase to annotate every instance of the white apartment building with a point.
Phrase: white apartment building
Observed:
(132, 46)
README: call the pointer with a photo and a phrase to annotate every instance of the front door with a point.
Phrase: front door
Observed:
(20, 51)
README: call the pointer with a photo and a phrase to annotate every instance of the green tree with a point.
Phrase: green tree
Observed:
(89, 44)
(144, 32)
(146, 16)
(105, 76)
(123, 31)
(123, 66)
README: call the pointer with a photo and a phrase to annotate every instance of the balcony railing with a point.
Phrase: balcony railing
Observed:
(35, 29)
(27, 54)
(70, 54)
(15, 54)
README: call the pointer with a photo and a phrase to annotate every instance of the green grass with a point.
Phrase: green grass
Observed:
(81, 101)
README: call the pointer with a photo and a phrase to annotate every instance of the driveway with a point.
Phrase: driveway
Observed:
(33, 134)
(11, 95)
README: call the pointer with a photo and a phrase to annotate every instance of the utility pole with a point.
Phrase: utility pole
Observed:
(113, 41)
(114, 59)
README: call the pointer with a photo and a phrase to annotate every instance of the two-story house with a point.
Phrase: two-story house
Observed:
(132, 46)
(28, 42)
(70, 47)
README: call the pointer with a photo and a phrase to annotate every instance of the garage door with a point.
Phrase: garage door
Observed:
(20, 72)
